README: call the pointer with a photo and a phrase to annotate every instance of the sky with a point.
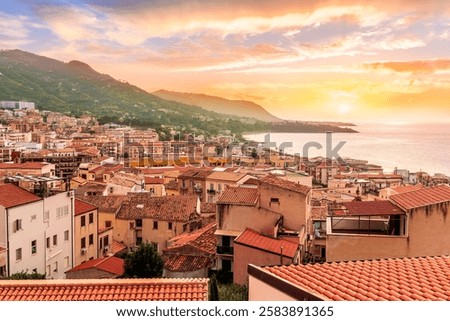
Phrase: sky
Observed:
(301, 60)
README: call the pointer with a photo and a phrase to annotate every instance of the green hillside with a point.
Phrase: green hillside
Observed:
(75, 88)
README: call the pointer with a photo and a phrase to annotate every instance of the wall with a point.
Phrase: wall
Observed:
(89, 274)
(80, 232)
(201, 273)
(244, 255)
(292, 205)
(260, 291)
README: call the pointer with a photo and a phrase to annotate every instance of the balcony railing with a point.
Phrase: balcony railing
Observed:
(225, 250)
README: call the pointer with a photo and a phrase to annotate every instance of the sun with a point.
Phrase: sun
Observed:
(344, 109)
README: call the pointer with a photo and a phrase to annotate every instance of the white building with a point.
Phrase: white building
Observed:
(36, 233)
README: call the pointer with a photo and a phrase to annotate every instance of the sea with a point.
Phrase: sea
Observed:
(415, 147)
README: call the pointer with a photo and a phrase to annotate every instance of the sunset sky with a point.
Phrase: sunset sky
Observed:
(306, 60)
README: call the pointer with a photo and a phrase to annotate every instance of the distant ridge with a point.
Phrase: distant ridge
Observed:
(241, 108)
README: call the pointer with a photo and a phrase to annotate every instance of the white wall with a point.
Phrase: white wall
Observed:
(60, 208)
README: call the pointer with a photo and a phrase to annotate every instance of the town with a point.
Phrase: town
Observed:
(77, 196)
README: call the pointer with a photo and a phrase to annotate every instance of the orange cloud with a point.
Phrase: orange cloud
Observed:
(417, 66)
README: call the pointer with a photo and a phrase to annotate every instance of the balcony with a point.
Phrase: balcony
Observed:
(227, 250)
(211, 191)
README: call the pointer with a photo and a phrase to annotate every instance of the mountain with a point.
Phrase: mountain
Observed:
(75, 88)
(239, 108)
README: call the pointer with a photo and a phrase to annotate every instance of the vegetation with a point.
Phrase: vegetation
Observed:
(26, 276)
(75, 89)
(233, 292)
(144, 262)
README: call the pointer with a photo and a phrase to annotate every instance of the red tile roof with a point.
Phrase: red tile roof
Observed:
(372, 208)
(401, 279)
(26, 165)
(153, 180)
(282, 183)
(226, 176)
(422, 197)
(407, 188)
(239, 196)
(110, 203)
(105, 290)
(208, 208)
(83, 207)
(202, 239)
(196, 173)
(12, 195)
(179, 208)
(186, 263)
(111, 264)
(256, 240)
(117, 247)
(173, 184)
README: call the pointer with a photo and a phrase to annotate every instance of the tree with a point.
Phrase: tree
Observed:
(26, 276)
(214, 289)
(144, 262)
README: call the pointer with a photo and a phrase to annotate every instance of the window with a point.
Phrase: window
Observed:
(55, 240)
(66, 235)
(48, 271)
(91, 239)
(138, 240)
(17, 225)
(34, 270)
(155, 225)
(275, 200)
(33, 247)
(108, 224)
(169, 225)
(83, 220)
(46, 215)
(138, 223)
(91, 218)
(83, 242)
(48, 242)
(55, 267)
(66, 262)
(106, 240)
(19, 254)
(219, 188)
(33, 217)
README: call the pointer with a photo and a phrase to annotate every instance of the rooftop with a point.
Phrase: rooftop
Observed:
(110, 203)
(170, 208)
(13, 195)
(226, 176)
(185, 263)
(256, 240)
(26, 165)
(105, 290)
(111, 264)
(422, 197)
(401, 279)
(282, 183)
(83, 207)
(202, 239)
(239, 196)
(372, 208)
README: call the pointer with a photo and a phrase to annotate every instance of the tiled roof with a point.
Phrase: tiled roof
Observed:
(319, 212)
(197, 173)
(226, 176)
(401, 279)
(252, 181)
(179, 208)
(111, 264)
(422, 197)
(117, 247)
(208, 208)
(372, 208)
(282, 183)
(83, 207)
(105, 290)
(407, 188)
(153, 180)
(12, 195)
(110, 203)
(254, 239)
(26, 165)
(239, 196)
(173, 184)
(202, 239)
(185, 263)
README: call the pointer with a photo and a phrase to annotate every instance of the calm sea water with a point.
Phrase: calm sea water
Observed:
(406, 146)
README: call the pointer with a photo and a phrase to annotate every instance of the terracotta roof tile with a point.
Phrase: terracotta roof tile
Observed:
(269, 244)
(186, 263)
(12, 195)
(226, 176)
(202, 239)
(422, 197)
(239, 196)
(26, 165)
(372, 208)
(111, 264)
(282, 183)
(117, 247)
(173, 184)
(208, 208)
(424, 278)
(83, 207)
(196, 173)
(110, 203)
(105, 290)
(153, 180)
(180, 208)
